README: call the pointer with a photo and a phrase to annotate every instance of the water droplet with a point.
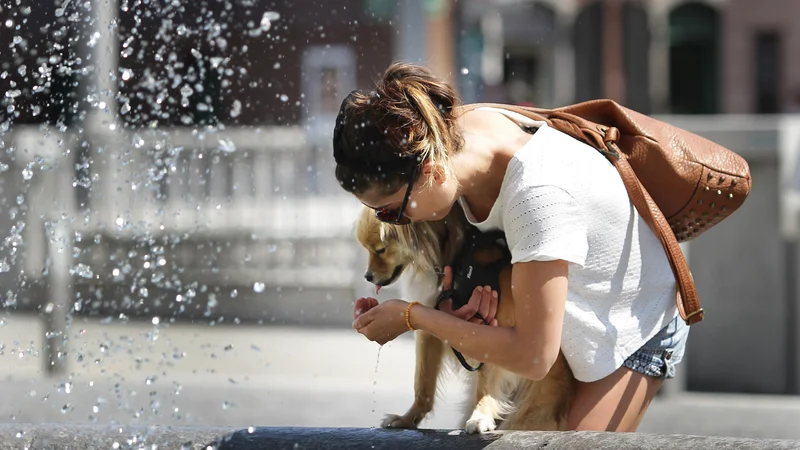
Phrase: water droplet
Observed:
(138, 142)
(186, 90)
(464, 71)
(212, 301)
(227, 146)
(272, 16)
(265, 24)
(258, 287)
(284, 98)
(156, 320)
(236, 109)
(65, 408)
(4, 266)
(227, 405)
(82, 270)
(27, 173)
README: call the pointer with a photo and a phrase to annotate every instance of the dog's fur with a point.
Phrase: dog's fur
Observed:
(413, 254)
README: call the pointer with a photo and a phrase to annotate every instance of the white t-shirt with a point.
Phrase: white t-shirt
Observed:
(562, 199)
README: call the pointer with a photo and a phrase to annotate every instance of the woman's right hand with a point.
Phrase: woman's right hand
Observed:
(483, 301)
(363, 305)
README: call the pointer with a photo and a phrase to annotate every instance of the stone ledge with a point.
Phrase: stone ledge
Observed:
(74, 437)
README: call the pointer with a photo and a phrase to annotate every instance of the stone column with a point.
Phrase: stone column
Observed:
(659, 57)
(492, 57)
(612, 51)
(441, 48)
(60, 295)
(564, 57)
(98, 48)
(412, 29)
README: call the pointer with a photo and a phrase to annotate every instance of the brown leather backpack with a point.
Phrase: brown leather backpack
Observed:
(680, 183)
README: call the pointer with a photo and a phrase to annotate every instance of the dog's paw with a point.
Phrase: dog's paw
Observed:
(480, 424)
(395, 421)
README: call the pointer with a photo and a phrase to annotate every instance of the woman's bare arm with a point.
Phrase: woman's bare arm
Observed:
(529, 348)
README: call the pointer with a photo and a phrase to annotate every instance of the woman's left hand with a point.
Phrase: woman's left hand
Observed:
(382, 322)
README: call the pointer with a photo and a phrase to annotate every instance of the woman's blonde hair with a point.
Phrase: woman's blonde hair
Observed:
(409, 118)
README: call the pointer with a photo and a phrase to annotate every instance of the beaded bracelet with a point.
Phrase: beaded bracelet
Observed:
(408, 315)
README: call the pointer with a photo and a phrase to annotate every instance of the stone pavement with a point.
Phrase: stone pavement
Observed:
(137, 373)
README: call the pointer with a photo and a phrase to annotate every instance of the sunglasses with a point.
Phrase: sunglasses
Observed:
(397, 216)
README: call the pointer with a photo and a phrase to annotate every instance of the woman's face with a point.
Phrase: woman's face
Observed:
(431, 202)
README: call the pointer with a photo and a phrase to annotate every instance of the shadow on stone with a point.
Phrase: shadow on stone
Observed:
(301, 438)
(296, 438)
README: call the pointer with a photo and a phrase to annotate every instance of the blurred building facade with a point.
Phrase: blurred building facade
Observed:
(656, 56)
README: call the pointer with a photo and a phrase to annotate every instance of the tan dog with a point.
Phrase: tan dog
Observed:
(416, 254)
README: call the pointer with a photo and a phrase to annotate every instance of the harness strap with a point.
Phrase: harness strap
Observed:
(467, 273)
(442, 297)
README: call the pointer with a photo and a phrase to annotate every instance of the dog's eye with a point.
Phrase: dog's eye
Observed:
(380, 251)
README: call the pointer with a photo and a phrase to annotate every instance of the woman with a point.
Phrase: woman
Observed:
(589, 277)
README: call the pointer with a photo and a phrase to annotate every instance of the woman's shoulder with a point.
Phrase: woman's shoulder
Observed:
(473, 117)
(489, 128)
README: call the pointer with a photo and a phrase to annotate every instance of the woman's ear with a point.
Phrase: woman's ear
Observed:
(435, 170)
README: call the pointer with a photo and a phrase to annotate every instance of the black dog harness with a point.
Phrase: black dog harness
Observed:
(469, 274)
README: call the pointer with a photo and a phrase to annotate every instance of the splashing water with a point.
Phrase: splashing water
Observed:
(157, 69)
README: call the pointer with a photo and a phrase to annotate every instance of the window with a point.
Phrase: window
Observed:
(329, 74)
(329, 99)
(768, 67)
(694, 33)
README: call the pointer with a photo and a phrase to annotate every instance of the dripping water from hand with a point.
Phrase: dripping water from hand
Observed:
(375, 380)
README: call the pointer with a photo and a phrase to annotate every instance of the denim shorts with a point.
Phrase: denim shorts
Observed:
(659, 356)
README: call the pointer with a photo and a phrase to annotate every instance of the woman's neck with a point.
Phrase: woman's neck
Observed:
(490, 141)
(480, 175)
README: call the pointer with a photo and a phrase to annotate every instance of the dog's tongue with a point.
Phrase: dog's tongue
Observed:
(377, 289)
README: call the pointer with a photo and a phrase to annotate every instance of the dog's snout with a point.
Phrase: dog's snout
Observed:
(368, 276)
